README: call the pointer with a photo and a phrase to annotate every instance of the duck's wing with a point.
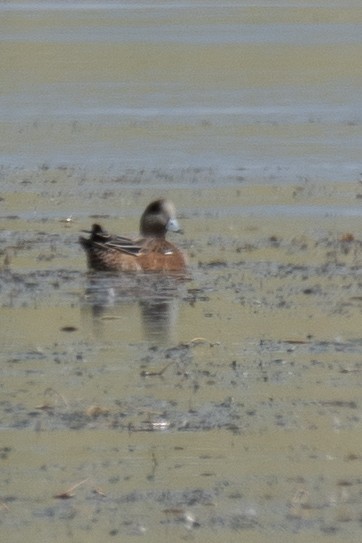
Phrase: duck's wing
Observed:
(102, 240)
(123, 245)
(140, 246)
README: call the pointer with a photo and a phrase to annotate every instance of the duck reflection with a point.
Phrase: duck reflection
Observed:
(145, 305)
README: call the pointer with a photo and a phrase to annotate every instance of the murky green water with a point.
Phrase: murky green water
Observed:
(226, 406)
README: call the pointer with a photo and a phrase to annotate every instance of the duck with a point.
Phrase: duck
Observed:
(151, 252)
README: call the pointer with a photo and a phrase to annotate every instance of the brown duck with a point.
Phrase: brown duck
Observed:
(150, 252)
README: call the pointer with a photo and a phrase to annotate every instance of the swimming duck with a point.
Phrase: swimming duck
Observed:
(150, 252)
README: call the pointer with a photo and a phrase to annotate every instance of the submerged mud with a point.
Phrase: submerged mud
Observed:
(222, 402)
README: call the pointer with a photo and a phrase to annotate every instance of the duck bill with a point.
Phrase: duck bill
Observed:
(173, 226)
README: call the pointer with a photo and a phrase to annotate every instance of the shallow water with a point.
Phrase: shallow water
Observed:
(226, 405)
(272, 87)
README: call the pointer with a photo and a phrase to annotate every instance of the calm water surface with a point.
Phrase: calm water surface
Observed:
(268, 86)
(226, 406)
